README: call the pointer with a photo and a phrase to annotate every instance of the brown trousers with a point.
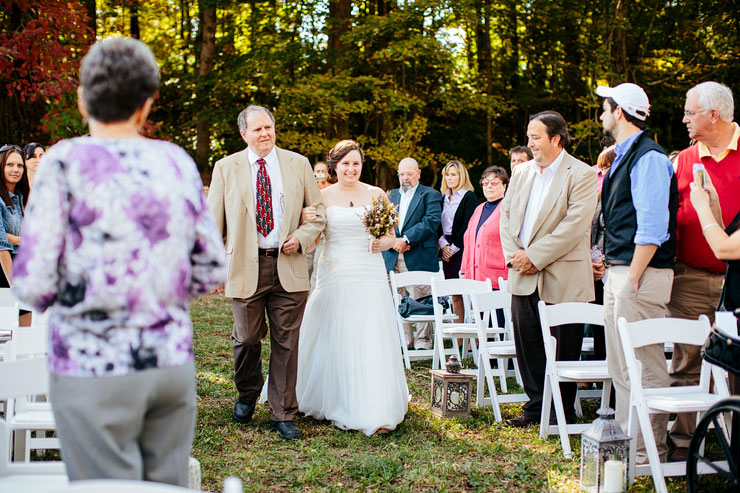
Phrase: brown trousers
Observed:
(285, 313)
(695, 292)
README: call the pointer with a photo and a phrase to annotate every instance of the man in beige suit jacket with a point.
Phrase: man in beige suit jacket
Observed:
(257, 196)
(545, 233)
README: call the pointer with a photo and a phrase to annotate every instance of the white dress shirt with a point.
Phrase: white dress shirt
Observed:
(272, 167)
(540, 188)
(403, 205)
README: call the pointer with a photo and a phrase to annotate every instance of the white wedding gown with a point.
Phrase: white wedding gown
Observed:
(350, 369)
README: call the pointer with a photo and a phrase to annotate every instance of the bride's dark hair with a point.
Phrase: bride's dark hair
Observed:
(338, 152)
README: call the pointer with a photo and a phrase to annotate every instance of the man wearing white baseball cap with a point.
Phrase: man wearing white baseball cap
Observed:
(639, 200)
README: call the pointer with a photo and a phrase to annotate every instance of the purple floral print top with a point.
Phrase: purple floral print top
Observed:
(116, 239)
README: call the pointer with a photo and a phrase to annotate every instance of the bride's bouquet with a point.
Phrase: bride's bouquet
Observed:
(380, 218)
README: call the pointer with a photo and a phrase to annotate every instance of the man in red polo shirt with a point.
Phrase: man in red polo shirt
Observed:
(698, 274)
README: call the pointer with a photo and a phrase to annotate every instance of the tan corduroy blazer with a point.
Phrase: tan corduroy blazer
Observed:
(559, 246)
(231, 198)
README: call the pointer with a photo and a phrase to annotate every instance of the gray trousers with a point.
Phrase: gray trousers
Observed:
(138, 426)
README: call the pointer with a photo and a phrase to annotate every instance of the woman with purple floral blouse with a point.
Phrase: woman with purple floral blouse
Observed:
(117, 237)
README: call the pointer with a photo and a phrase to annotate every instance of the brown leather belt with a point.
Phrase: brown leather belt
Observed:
(269, 252)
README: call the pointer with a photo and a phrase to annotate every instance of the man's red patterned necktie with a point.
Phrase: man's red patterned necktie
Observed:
(264, 200)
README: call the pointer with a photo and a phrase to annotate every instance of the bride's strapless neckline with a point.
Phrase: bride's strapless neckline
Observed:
(347, 207)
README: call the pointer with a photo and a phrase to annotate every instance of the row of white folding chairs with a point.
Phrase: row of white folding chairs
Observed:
(487, 340)
(470, 330)
(25, 342)
(27, 419)
(484, 307)
(643, 401)
(480, 324)
(484, 310)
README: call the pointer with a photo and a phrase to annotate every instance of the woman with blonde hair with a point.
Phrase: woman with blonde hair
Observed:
(458, 206)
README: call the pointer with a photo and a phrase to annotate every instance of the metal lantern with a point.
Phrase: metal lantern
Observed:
(451, 391)
(605, 451)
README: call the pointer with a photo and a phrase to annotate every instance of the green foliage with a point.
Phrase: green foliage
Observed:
(403, 78)
(62, 120)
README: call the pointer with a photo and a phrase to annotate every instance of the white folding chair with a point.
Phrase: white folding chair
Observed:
(231, 485)
(404, 280)
(29, 420)
(508, 334)
(557, 372)
(726, 322)
(686, 399)
(40, 319)
(484, 307)
(449, 328)
(19, 379)
(9, 312)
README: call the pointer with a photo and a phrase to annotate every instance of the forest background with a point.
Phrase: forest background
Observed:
(432, 79)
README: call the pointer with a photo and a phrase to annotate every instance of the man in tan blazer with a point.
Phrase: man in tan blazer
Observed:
(545, 228)
(257, 196)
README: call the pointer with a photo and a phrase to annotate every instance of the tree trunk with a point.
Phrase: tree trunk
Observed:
(92, 17)
(337, 24)
(485, 69)
(619, 38)
(134, 26)
(207, 58)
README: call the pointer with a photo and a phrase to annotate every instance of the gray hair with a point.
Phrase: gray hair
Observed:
(242, 119)
(715, 96)
(117, 76)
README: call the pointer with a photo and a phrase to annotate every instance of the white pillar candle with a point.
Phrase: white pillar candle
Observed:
(455, 397)
(613, 476)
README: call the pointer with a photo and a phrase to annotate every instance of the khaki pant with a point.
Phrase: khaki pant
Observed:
(423, 339)
(650, 301)
(695, 292)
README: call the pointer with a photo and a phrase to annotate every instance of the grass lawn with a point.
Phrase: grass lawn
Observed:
(423, 453)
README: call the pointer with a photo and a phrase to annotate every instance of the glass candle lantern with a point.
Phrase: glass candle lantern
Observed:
(605, 451)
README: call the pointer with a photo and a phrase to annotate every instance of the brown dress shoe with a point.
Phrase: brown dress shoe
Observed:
(680, 454)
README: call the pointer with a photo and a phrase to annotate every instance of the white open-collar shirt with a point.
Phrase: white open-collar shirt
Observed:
(272, 167)
(540, 188)
(403, 204)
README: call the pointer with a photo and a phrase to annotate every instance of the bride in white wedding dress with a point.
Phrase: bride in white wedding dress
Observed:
(350, 369)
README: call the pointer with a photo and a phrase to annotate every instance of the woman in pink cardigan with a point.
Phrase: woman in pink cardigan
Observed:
(483, 257)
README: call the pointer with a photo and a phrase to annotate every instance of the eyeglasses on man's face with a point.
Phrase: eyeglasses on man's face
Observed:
(692, 114)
